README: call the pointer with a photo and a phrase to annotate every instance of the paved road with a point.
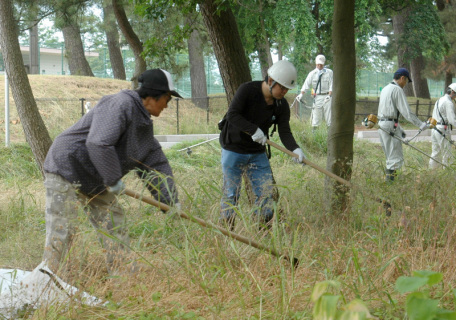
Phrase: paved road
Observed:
(168, 141)
(370, 135)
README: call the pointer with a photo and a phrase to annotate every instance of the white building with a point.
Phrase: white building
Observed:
(51, 61)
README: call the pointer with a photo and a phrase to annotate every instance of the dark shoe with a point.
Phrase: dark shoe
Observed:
(390, 174)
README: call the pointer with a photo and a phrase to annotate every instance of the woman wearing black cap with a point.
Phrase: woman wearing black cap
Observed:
(86, 163)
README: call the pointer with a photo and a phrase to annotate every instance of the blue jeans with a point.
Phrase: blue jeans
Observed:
(258, 171)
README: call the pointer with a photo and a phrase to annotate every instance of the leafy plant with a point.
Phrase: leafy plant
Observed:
(419, 304)
(327, 304)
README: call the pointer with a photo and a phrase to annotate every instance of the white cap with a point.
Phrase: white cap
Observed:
(452, 87)
(320, 59)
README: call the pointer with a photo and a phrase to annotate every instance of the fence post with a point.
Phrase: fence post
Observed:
(177, 114)
(429, 109)
(417, 106)
(82, 106)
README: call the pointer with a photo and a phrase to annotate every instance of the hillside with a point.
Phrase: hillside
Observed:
(69, 87)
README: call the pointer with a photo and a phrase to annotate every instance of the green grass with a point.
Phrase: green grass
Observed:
(191, 272)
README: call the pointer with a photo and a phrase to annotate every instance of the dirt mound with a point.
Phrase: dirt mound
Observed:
(52, 86)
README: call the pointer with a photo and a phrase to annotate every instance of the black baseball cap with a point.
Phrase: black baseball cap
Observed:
(403, 72)
(158, 79)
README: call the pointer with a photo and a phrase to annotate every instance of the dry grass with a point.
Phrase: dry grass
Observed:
(196, 273)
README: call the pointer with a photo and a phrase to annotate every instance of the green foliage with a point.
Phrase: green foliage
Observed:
(419, 305)
(18, 163)
(424, 33)
(327, 304)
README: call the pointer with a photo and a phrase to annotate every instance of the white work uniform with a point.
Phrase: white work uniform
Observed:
(392, 103)
(441, 148)
(320, 106)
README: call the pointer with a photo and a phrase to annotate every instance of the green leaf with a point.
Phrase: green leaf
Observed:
(408, 284)
(421, 309)
(353, 315)
(433, 277)
(326, 307)
(321, 287)
(446, 315)
(357, 306)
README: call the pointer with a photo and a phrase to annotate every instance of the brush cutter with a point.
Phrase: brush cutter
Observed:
(386, 204)
(210, 225)
(297, 100)
(189, 149)
(372, 120)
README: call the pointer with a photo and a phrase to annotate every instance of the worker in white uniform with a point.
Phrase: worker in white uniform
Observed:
(320, 80)
(392, 104)
(444, 114)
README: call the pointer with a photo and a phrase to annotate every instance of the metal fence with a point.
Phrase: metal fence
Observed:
(368, 83)
(183, 116)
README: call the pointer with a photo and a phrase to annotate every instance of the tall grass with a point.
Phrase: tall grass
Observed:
(196, 273)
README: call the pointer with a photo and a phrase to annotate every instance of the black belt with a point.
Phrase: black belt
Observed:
(322, 94)
(387, 119)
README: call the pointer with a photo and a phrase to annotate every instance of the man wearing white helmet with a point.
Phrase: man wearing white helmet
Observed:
(392, 104)
(256, 106)
(440, 136)
(320, 80)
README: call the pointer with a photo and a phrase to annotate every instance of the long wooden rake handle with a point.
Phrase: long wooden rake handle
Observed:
(311, 164)
(386, 205)
(210, 225)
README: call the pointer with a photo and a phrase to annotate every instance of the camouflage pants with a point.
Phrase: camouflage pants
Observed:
(105, 215)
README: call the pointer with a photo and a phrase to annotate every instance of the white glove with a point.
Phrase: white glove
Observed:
(328, 97)
(299, 97)
(424, 126)
(301, 156)
(259, 137)
(118, 188)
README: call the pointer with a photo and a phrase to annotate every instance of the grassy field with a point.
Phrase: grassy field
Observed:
(189, 272)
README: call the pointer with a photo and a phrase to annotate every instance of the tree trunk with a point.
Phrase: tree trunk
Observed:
(340, 136)
(77, 61)
(132, 39)
(34, 66)
(197, 70)
(399, 21)
(448, 79)
(420, 84)
(263, 47)
(264, 56)
(35, 131)
(112, 37)
(228, 49)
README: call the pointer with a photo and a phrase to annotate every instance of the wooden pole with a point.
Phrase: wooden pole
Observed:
(210, 225)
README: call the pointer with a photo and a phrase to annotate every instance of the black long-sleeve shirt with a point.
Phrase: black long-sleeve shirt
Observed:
(247, 112)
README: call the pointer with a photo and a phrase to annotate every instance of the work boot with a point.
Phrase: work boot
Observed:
(390, 174)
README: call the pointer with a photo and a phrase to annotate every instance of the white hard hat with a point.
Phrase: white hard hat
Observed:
(284, 72)
(452, 87)
(320, 59)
